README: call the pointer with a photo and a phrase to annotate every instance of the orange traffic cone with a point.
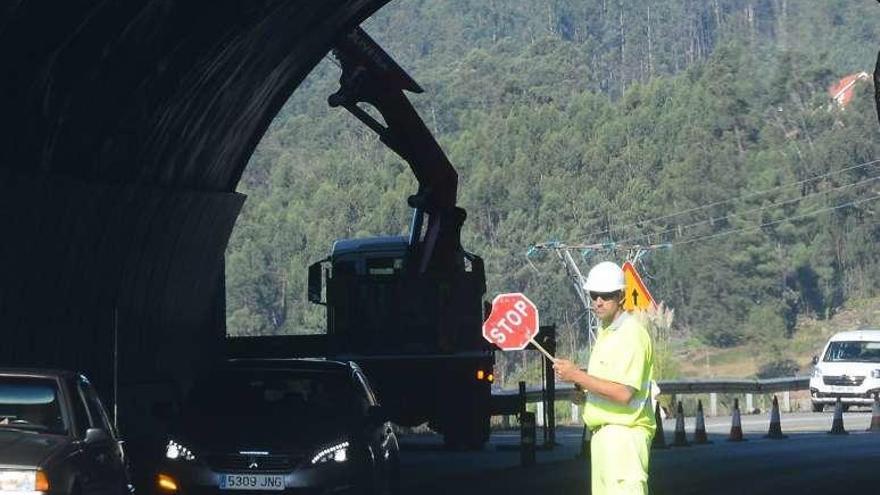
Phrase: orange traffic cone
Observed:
(680, 435)
(700, 430)
(659, 441)
(837, 423)
(736, 430)
(775, 431)
(875, 415)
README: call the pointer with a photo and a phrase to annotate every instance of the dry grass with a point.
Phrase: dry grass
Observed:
(811, 334)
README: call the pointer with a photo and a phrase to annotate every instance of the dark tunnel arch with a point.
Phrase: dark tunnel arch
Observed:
(126, 126)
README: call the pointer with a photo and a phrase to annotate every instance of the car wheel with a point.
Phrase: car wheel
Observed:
(818, 407)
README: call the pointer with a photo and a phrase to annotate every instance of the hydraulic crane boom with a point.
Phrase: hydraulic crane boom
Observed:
(369, 75)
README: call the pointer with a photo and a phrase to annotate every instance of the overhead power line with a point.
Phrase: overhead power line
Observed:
(732, 199)
(615, 246)
(711, 220)
(775, 222)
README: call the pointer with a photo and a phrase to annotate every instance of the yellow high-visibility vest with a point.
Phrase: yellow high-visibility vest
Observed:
(623, 353)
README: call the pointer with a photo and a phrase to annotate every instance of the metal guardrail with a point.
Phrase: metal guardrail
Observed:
(727, 386)
(667, 387)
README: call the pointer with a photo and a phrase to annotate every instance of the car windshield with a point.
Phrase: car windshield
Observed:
(859, 351)
(267, 394)
(31, 403)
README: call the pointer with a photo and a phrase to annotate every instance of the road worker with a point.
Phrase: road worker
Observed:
(618, 386)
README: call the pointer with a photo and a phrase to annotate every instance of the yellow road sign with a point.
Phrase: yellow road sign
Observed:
(636, 295)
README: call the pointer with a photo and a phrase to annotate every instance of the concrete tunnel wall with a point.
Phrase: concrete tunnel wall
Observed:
(97, 267)
(126, 126)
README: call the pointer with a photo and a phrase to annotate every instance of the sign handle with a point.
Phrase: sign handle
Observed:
(543, 351)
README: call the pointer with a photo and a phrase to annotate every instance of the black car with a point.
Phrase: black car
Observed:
(55, 436)
(282, 426)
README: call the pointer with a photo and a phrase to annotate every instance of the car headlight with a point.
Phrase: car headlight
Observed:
(23, 481)
(816, 373)
(177, 452)
(875, 373)
(336, 453)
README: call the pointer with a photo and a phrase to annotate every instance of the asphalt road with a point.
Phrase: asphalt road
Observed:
(809, 461)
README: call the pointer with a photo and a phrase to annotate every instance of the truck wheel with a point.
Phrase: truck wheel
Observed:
(453, 441)
(460, 443)
(482, 429)
(475, 444)
(470, 434)
(818, 407)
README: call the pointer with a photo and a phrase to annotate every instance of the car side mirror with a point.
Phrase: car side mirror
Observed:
(377, 415)
(95, 435)
(815, 360)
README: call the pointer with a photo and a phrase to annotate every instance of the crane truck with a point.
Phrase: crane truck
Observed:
(407, 309)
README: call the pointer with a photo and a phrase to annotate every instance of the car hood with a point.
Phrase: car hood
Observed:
(270, 436)
(27, 448)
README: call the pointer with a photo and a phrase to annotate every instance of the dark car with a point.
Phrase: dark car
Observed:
(282, 426)
(55, 436)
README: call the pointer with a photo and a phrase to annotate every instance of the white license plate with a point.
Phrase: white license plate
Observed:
(252, 482)
(839, 388)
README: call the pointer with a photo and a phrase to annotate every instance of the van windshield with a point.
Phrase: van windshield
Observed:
(853, 351)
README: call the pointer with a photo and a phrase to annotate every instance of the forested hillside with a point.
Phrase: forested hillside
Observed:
(704, 125)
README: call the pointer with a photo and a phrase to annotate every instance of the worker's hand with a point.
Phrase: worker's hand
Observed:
(565, 370)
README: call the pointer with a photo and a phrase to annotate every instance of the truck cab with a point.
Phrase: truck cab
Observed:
(378, 305)
(848, 368)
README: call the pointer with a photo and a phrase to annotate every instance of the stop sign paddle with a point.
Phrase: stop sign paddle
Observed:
(513, 323)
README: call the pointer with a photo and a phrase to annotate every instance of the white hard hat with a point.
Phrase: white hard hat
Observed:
(605, 277)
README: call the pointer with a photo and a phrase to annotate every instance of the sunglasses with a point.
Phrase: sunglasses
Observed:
(606, 296)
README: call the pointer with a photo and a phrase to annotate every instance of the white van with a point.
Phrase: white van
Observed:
(849, 368)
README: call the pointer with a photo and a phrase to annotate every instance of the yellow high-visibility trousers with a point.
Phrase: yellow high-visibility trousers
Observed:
(619, 460)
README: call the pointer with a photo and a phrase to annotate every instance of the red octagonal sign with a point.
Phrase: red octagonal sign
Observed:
(512, 323)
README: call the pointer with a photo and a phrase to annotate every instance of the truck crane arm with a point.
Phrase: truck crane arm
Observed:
(371, 76)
